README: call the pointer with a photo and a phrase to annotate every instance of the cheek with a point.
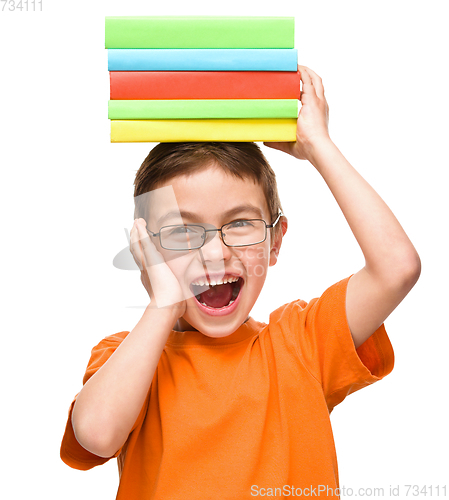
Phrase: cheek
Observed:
(255, 260)
(178, 264)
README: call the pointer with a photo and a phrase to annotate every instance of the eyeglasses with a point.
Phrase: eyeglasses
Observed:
(238, 233)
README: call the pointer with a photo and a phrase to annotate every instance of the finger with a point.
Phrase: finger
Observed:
(308, 91)
(312, 84)
(150, 253)
(317, 83)
(145, 254)
(135, 243)
(307, 84)
(135, 248)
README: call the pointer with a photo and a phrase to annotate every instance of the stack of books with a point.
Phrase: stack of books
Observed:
(202, 79)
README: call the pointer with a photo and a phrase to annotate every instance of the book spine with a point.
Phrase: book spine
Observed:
(190, 32)
(202, 108)
(205, 85)
(202, 59)
(256, 130)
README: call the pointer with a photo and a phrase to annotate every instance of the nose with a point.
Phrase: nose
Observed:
(214, 250)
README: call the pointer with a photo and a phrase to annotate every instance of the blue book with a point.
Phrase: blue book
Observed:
(202, 60)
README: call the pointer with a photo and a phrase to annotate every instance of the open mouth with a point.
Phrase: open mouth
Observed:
(217, 294)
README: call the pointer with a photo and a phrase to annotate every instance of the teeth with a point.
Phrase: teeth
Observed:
(231, 279)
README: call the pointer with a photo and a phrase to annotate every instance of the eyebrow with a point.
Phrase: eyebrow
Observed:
(228, 214)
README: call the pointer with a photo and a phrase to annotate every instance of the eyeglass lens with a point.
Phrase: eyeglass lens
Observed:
(190, 236)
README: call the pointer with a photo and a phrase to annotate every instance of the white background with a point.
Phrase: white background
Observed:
(67, 195)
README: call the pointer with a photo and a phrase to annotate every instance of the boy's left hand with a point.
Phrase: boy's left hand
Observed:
(313, 118)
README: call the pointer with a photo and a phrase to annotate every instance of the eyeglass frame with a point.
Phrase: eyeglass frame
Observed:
(220, 230)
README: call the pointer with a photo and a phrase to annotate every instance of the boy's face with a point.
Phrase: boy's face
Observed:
(213, 197)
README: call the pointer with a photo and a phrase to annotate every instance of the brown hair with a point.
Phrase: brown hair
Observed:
(242, 159)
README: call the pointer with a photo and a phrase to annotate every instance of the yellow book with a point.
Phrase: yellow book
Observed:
(229, 130)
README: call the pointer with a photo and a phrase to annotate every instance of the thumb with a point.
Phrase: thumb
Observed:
(280, 146)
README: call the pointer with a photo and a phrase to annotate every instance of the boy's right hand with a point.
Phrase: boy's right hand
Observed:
(159, 281)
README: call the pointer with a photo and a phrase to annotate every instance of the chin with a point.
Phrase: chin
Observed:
(212, 325)
(216, 327)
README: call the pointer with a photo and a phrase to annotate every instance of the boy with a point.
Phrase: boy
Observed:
(199, 400)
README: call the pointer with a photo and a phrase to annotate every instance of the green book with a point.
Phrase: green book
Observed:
(199, 32)
(202, 108)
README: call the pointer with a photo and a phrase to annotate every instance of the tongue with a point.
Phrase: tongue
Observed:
(217, 296)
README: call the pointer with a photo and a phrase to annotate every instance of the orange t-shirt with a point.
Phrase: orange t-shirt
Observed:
(233, 417)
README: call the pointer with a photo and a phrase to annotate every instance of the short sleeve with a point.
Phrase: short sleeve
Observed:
(326, 347)
(72, 453)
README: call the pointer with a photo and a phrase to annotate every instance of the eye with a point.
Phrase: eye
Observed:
(240, 223)
(182, 230)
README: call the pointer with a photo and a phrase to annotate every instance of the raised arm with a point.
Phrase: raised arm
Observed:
(392, 265)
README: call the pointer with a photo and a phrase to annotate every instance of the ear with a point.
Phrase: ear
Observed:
(276, 247)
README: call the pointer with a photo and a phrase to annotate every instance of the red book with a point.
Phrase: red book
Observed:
(205, 84)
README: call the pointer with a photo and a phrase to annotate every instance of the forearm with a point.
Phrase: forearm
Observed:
(392, 265)
(111, 400)
(385, 245)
